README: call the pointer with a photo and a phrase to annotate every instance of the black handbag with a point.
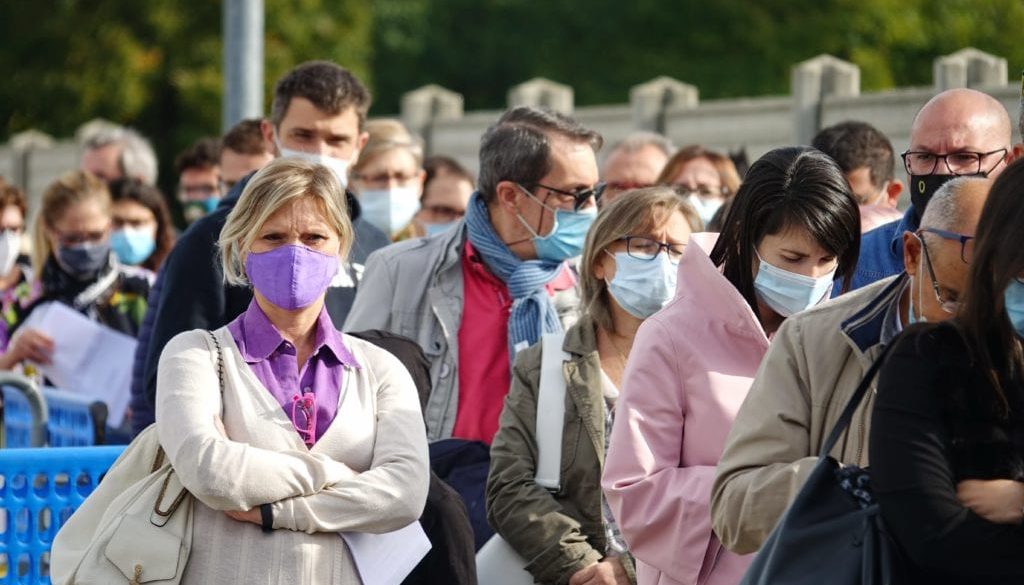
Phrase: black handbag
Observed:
(832, 532)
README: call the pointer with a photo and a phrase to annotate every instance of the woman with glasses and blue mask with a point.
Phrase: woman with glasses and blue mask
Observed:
(791, 235)
(947, 434)
(627, 273)
(73, 256)
(388, 179)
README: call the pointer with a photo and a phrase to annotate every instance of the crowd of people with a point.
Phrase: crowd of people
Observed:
(386, 322)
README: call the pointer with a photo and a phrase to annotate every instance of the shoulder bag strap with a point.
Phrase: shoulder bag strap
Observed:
(858, 396)
(162, 514)
(550, 411)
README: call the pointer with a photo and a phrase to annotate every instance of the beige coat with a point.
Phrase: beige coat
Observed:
(367, 473)
(814, 363)
(561, 532)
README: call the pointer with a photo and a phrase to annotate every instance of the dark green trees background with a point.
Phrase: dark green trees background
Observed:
(156, 64)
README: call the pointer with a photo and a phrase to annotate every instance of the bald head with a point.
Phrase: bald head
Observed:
(963, 120)
(956, 206)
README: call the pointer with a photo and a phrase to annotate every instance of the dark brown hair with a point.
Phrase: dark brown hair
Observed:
(856, 145)
(330, 87)
(998, 259)
(792, 187)
(245, 137)
(203, 154)
(152, 199)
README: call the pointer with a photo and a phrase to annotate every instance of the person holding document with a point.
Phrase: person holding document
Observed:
(75, 265)
(312, 433)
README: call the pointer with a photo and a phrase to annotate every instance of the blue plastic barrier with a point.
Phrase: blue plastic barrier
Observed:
(74, 420)
(39, 489)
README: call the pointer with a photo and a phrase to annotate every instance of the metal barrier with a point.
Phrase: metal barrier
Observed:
(35, 410)
(39, 490)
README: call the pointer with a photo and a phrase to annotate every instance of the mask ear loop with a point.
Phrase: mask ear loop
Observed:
(534, 233)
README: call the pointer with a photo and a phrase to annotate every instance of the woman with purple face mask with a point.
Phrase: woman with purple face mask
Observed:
(313, 433)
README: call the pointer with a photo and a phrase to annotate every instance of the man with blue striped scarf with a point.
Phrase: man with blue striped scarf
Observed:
(474, 296)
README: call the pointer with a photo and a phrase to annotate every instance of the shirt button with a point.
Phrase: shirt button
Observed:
(307, 389)
(445, 370)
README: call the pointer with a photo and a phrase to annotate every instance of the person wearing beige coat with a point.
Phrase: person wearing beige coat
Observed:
(816, 361)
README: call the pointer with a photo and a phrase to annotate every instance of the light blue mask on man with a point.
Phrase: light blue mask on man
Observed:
(567, 235)
(1014, 299)
(788, 293)
(642, 287)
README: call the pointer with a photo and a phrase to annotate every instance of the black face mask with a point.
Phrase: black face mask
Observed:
(923, 187)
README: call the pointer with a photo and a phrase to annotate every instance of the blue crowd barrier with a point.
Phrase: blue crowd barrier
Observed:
(73, 420)
(39, 490)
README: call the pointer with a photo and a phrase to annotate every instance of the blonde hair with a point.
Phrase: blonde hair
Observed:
(633, 211)
(387, 134)
(72, 188)
(279, 183)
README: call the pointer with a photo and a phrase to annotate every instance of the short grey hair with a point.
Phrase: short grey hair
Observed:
(944, 208)
(137, 158)
(517, 147)
(639, 140)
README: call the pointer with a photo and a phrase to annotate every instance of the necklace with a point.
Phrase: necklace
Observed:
(615, 346)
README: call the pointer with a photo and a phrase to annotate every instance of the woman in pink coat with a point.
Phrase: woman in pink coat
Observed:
(794, 227)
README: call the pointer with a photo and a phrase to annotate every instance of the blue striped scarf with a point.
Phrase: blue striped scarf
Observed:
(533, 314)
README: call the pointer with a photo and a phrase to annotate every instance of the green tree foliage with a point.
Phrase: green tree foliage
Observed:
(155, 65)
(728, 48)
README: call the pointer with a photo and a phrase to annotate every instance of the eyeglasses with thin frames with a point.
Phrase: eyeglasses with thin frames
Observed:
(958, 163)
(966, 242)
(304, 416)
(951, 307)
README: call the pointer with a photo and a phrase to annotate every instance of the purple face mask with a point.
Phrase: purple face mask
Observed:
(291, 276)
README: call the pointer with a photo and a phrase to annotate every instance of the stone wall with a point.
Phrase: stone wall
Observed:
(825, 90)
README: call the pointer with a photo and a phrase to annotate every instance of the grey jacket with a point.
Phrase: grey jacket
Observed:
(414, 288)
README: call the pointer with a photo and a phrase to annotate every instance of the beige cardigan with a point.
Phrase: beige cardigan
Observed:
(368, 472)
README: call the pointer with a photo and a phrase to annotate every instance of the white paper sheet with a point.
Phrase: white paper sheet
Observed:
(387, 559)
(88, 358)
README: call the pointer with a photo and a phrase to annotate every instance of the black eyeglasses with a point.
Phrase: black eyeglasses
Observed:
(948, 306)
(966, 242)
(958, 163)
(643, 248)
(579, 196)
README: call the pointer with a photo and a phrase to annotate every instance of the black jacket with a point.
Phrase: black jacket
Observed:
(190, 294)
(937, 421)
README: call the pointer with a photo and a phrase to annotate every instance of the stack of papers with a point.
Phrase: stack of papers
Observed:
(88, 358)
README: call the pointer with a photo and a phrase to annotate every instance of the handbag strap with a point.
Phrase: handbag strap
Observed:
(851, 407)
(159, 460)
(550, 412)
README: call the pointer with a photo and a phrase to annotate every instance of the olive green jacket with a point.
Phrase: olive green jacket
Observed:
(562, 532)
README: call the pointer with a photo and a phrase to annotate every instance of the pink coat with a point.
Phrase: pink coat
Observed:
(690, 368)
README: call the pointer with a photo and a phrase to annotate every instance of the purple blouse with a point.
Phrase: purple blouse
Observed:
(275, 364)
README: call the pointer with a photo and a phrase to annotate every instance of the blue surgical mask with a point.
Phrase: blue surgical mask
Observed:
(642, 287)
(432, 229)
(567, 234)
(132, 245)
(788, 293)
(390, 210)
(1014, 299)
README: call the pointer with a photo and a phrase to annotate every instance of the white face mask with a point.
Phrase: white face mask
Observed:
(338, 166)
(10, 247)
(390, 210)
(705, 208)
